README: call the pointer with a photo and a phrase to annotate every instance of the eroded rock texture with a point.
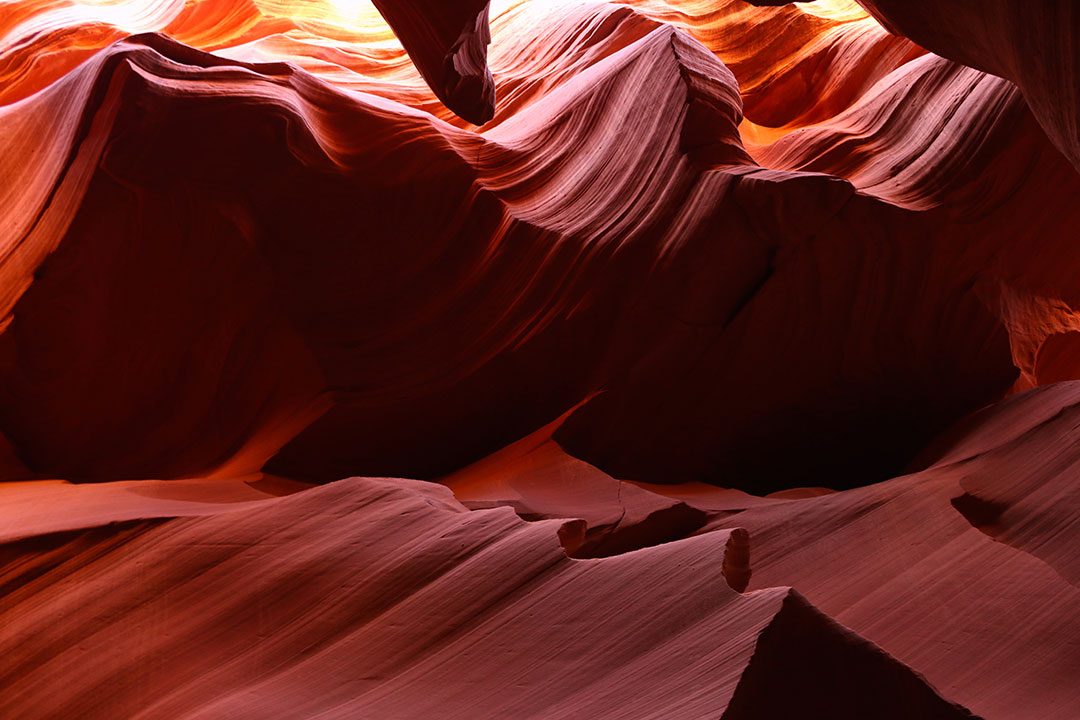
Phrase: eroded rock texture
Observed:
(727, 349)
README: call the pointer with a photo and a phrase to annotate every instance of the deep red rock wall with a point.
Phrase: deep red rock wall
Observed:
(680, 289)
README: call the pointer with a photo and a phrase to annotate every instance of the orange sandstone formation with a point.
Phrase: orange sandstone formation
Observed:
(725, 348)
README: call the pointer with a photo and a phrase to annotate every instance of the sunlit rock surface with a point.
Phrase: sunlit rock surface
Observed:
(546, 358)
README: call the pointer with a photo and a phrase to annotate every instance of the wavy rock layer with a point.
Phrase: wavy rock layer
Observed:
(1030, 43)
(716, 274)
(708, 271)
(457, 617)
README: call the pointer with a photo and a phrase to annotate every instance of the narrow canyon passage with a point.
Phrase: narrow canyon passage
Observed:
(539, 359)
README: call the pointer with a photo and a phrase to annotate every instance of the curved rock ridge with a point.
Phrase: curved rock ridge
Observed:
(907, 563)
(539, 480)
(821, 59)
(346, 391)
(1029, 43)
(797, 65)
(915, 182)
(831, 53)
(386, 598)
(447, 41)
(881, 558)
(44, 508)
(1018, 463)
(930, 128)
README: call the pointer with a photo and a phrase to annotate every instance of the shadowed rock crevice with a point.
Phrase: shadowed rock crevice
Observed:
(806, 665)
(984, 515)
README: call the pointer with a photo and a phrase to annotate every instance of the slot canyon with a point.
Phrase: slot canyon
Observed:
(539, 360)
